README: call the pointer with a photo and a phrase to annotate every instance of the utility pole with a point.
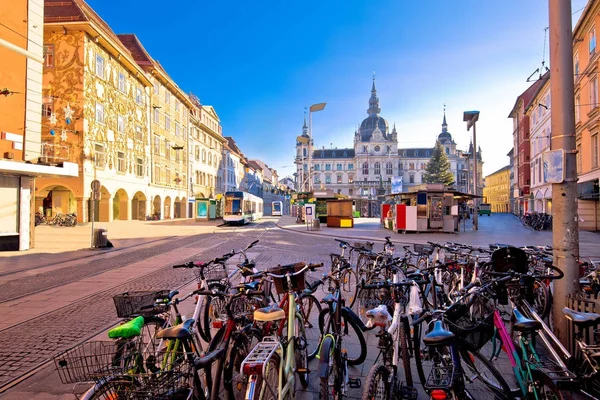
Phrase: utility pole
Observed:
(565, 227)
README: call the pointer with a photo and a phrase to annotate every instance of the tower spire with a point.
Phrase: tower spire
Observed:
(444, 124)
(374, 100)
(305, 127)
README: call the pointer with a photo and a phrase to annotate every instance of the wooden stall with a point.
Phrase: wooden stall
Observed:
(339, 214)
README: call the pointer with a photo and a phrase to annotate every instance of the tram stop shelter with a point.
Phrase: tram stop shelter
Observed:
(426, 208)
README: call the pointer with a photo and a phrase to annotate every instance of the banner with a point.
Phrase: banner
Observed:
(396, 184)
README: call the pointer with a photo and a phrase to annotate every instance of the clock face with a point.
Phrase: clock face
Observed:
(377, 148)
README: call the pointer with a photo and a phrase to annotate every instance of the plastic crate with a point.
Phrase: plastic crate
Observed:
(131, 304)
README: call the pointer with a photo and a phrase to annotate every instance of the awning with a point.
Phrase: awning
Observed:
(67, 169)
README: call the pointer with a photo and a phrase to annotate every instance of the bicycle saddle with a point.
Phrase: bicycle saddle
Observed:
(524, 324)
(438, 336)
(270, 313)
(180, 331)
(581, 319)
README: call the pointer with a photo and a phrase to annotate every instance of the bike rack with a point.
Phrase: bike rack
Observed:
(261, 353)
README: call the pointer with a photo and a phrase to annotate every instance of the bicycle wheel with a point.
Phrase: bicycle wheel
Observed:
(481, 378)
(356, 355)
(265, 387)
(591, 385)
(212, 309)
(300, 350)
(403, 337)
(151, 350)
(242, 344)
(378, 385)
(362, 266)
(329, 371)
(310, 308)
(541, 299)
(349, 286)
(421, 352)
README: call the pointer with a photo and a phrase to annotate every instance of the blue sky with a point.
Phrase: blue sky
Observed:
(261, 63)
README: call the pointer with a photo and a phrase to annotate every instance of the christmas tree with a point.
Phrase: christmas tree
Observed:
(438, 168)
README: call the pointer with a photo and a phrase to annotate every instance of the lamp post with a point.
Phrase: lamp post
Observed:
(313, 108)
(471, 117)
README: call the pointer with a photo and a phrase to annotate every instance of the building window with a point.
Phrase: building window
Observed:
(350, 192)
(139, 167)
(168, 97)
(365, 168)
(595, 151)
(100, 66)
(411, 178)
(156, 88)
(139, 98)
(139, 135)
(411, 166)
(99, 113)
(388, 168)
(593, 93)
(168, 177)
(120, 124)
(99, 156)
(156, 116)
(364, 149)
(400, 166)
(47, 106)
(209, 158)
(350, 178)
(156, 144)
(317, 167)
(197, 153)
(49, 55)
(204, 156)
(339, 167)
(327, 167)
(167, 123)
(350, 167)
(577, 105)
(377, 169)
(339, 179)
(167, 150)
(157, 170)
(122, 82)
(328, 179)
(176, 105)
(177, 129)
(316, 180)
(120, 161)
(592, 42)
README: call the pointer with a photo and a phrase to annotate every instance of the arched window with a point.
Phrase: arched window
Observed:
(447, 150)
(365, 168)
(304, 152)
(388, 168)
(400, 168)
(364, 149)
(377, 169)
(345, 154)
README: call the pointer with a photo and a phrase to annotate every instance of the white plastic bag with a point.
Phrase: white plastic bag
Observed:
(379, 316)
(415, 307)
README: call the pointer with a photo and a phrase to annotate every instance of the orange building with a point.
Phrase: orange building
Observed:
(586, 56)
(21, 52)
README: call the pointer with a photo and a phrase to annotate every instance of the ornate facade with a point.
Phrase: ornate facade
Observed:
(94, 114)
(376, 157)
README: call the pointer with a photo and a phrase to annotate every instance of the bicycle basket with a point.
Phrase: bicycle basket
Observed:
(510, 258)
(367, 246)
(160, 385)
(215, 272)
(91, 360)
(130, 304)
(421, 248)
(297, 281)
(474, 324)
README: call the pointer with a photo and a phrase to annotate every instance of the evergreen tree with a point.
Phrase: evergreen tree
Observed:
(438, 168)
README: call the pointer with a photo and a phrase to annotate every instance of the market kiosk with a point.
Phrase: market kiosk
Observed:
(427, 208)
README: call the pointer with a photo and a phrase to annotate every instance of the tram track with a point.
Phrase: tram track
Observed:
(22, 355)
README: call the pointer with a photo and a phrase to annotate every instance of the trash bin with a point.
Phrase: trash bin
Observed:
(100, 237)
(316, 224)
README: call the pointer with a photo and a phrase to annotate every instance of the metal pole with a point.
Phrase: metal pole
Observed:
(565, 232)
(475, 183)
(310, 151)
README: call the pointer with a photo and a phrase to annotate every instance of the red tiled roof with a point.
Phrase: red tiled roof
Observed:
(132, 43)
(233, 145)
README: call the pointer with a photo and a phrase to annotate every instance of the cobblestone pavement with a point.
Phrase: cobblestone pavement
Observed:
(29, 344)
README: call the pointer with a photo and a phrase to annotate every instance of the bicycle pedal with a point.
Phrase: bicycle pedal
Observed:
(354, 383)
(303, 371)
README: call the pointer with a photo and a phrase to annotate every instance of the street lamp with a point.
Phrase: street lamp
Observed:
(471, 117)
(313, 108)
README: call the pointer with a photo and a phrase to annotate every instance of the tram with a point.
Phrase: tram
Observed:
(277, 208)
(242, 208)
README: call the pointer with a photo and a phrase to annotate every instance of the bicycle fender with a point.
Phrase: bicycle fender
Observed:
(325, 351)
(349, 314)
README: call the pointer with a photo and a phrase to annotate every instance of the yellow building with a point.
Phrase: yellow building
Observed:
(170, 109)
(586, 56)
(497, 190)
(21, 55)
(95, 113)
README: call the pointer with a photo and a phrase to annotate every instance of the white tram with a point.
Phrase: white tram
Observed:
(242, 208)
